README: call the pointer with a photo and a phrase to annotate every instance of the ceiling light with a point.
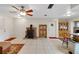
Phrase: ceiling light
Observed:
(18, 16)
(22, 13)
(68, 12)
(68, 15)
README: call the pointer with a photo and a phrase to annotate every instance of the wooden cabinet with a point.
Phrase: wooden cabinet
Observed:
(63, 29)
(42, 31)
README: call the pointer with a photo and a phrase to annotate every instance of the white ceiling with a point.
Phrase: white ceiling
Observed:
(39, 10)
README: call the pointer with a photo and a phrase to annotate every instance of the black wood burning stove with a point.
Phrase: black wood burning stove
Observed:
(30, 32)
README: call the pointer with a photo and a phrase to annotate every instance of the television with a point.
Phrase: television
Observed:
(76, 31)
(77, 24)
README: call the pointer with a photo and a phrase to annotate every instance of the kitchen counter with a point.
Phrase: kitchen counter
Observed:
(75, 37)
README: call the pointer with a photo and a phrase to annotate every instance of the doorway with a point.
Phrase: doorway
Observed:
(42, 31)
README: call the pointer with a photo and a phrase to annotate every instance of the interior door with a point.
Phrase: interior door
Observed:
(42, 31)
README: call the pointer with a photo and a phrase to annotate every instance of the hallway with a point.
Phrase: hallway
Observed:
(41, 46)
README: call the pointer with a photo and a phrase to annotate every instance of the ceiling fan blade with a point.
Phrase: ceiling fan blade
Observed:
(15, 7)
(29, 10)
(29, 13)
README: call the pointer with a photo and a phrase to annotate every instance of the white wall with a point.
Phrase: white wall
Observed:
(18, 26)
(6, 27)
(9, 23)
(1, 25)
(53, 30)
(71, 26)
(21, 24)
(6, 24)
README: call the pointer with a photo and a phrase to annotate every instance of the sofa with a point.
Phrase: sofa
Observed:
(4, 46)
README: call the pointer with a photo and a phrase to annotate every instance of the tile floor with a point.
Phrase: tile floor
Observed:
(41, 46)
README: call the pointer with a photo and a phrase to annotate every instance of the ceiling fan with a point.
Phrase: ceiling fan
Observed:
(24, 11)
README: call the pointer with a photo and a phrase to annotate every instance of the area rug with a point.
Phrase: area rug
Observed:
(14, 49)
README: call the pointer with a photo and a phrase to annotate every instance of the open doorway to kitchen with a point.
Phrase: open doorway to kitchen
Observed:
(42, 31)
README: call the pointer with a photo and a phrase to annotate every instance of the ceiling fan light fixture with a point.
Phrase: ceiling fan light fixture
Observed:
(18, 16)
(22, 13)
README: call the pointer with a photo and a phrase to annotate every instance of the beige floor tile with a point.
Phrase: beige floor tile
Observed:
(41, 46)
